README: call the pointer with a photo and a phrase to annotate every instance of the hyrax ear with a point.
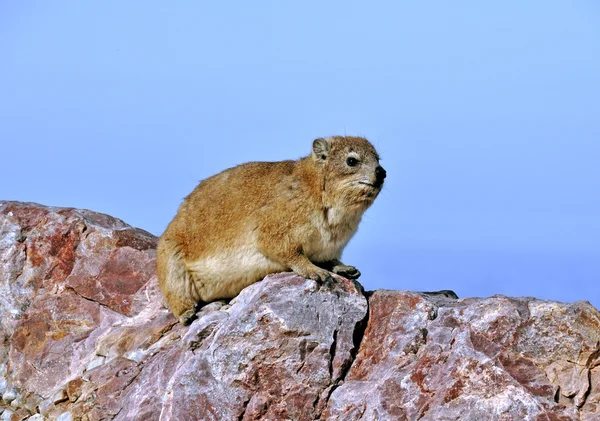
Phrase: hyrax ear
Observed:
(320, 149)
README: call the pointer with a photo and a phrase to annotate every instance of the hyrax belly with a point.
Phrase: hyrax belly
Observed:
(225, 273)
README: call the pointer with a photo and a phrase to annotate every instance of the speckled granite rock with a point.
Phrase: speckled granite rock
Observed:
(85, 336)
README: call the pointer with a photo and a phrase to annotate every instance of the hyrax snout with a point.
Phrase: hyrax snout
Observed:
(238, 226)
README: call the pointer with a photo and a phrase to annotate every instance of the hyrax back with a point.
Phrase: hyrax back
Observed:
(264, 217)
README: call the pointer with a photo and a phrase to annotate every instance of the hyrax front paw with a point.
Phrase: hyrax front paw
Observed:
(317, 274)
(346, 271)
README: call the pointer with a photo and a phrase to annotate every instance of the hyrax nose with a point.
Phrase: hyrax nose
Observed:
(380, 173)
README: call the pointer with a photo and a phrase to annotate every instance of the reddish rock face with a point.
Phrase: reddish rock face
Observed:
(85, 335)
(433, 358)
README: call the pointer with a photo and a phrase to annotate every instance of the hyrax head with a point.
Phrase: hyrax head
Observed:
(351, 168)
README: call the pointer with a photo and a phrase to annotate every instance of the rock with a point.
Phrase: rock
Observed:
(6, 415)
(497, 358)
(85, 336)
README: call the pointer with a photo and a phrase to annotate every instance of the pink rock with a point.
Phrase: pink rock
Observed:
(499, 358)
(85, 335)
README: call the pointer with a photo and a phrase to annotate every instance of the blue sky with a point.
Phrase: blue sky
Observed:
(487, 117)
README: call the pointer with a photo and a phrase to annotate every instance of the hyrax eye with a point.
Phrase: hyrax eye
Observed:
(352, 162)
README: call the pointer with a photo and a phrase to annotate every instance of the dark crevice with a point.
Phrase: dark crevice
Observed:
(62, 399)
(85, 231)
(587, 392)
(332, 350)
(23, 240)
(241, 417)
(424, 332)
(357, 338)
(117, 414)
(433, 314)
(70, 288)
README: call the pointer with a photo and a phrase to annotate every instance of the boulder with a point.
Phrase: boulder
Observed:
(85, 335)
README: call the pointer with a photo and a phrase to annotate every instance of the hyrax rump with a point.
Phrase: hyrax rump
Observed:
(258, 218)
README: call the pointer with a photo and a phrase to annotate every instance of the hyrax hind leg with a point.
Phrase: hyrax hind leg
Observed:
(176, 283)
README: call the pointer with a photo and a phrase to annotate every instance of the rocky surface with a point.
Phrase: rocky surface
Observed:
(85, 336)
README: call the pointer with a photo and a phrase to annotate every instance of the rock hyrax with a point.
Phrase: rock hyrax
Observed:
(238, 226)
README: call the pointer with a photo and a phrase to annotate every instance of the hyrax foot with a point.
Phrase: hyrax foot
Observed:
(188, 317)
(316, 274)
(346, 271)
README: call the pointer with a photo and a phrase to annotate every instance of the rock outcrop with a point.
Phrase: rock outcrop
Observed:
(85, 336)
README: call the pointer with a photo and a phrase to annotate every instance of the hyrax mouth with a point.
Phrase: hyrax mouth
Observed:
(375, 185)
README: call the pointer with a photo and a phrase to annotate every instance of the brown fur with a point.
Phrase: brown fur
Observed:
(264, 217)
